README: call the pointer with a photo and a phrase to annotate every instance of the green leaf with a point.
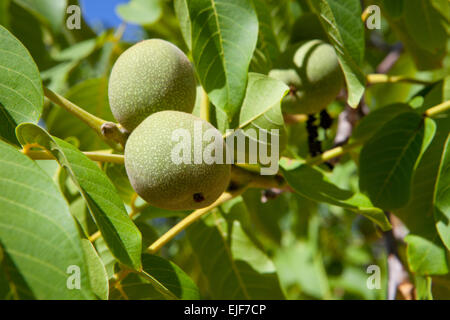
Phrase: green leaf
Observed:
(342, 21)
(394, 8)
(107, 209)
(261, 113)
(431, 33)
(426, 257)
(232, 265)
(370, 124)
(418, 214)
(118, 176)
(313, 184)
(282, 20)
(37, 232)
(442, 197)
(142, 12)
(92, 96)
(21, 92)
(267, 48)
(265, 217)
(387, 161)
(108, 260)
(224, 36)
(78, 51)
(166, 273)
(49, 12)
(4, 14)
(298, 264)
(97, 273)
(182, 13)
(415, 36)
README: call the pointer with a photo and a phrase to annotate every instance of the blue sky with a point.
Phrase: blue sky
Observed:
(101, 15)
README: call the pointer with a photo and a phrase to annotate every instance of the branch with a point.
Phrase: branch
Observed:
(440, 108)
(190, 219)
(384, 78)
(95, 156)
(108, 131)
(204, 106)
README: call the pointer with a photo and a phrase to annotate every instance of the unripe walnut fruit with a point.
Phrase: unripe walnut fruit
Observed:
(163, 182)
(311, 70)
(151, 76)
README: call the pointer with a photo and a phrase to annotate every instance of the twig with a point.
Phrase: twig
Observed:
(384, 78)
(440, 108)
(95, 156)
(397, 274)
(194, 216)
(110, 132)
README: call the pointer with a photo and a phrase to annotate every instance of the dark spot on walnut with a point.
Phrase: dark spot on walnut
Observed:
(198, 197)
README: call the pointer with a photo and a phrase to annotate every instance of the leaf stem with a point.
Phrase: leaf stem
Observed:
(440, 108)
(194, 216)
(384, 78)
(92, 121)
(95, 156)
(204, 106)
(333, 153)
(108, 131)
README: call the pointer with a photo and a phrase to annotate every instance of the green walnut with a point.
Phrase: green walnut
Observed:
(312, 72)
(151, 76)
(168, 161)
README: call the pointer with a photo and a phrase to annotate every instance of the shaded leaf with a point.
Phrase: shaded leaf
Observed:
(232, 265)
(387, 161)
(371, 123)
(313, 184)
(418, 214)
(49, 12)
(108, 211)
(267, 48)
(442, 197)
(167, 273)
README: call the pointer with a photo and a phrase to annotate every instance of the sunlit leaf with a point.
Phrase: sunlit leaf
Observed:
(118, 230)
(21, 93)
(37, 232)
(224, 35)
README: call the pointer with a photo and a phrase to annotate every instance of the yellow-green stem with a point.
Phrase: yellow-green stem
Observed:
(204, 106)
(440, 108)
(92, 121)
(190, 219)
(384, 78)
(95, 156)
